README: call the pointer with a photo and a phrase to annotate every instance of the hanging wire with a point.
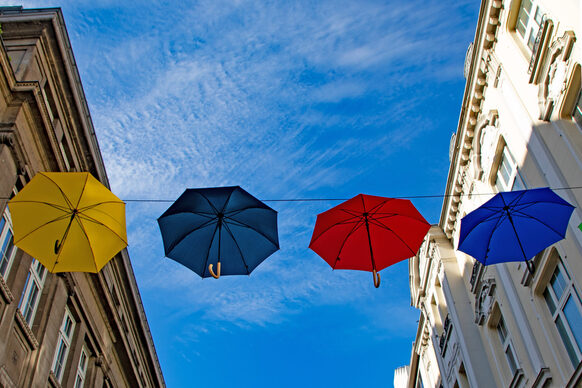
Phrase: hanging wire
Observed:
(345, 199)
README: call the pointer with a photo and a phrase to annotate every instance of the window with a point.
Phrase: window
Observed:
(577, 114)
(505, 339)
(7, 248)
(565, 307)
(82, 368)
(508, 177)
(32, 290)
(63, 345)
(529, 21)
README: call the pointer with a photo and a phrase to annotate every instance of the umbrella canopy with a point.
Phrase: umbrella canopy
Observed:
(514, 226)
(223, 226)
(368, 233)
(68, 221)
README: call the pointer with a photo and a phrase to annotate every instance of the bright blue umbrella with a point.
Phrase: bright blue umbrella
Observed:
(514, 226)
(222, 226)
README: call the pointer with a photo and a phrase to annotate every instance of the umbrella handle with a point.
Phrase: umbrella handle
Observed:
(217, 274)
(376, 276)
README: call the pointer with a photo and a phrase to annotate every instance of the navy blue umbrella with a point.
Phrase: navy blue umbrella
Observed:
(222, 226)
(515, 226)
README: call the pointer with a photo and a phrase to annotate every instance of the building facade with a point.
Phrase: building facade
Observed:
(68, 329)
(520, 127)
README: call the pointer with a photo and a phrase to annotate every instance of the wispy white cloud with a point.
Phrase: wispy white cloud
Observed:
(286, 99)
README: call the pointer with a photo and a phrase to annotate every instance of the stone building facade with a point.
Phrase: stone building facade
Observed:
(520, 127)
(68, 329)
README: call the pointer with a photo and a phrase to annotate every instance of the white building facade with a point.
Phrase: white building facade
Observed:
(520, 127)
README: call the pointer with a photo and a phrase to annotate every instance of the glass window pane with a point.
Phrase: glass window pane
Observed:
(550, 301)
(68, 326)
(30, 303)
(502, 330)
(538, 17)
(578, 111)
(526, 6)
(83, 361)
(6, 253)
(60, 359)
(558, 283)
(531, 41)
(574, 319)
(511, 360)
(521, 23)
(567, 342)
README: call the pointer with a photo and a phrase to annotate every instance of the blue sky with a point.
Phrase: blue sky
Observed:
(302, 99)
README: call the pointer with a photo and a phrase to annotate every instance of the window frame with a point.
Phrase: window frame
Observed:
(32, 291)
(572, 346)
(81, 374)
(6, 230)
(514, 180)
(507, 346)
(533, 23)
(60, 358)
(577, 111)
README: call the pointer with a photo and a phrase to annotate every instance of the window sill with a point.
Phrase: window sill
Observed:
(543, 378)
(518, 379)
(53, 382)
(27, 332)
(576, 377)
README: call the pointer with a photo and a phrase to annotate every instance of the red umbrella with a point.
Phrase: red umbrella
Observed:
(368, 233)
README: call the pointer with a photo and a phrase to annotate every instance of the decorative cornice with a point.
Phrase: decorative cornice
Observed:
(471, 110)
(27, 332)
(5, 290)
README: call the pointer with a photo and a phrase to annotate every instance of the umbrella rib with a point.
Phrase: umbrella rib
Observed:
(356, 227)
(239, 223)
(237, 247)
(88, 243)
(97, 204)
(395, 234)
(202, 214)
(490, 237)
(396, 214)
(526, 205)
(58, 207)
(67, 200)
(376, 209)
(363, 203)
(487, 219)
(88, 218)
(208, 251)
(227, 201)
(237, 211)
(525, 215)
(207, 200)
(175, 244)
(63, 217)
(82, 191)
(356, 218)
(352, 213)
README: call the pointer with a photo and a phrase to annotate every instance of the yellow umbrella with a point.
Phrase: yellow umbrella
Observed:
(68, 221)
